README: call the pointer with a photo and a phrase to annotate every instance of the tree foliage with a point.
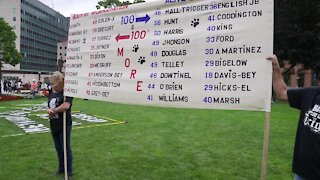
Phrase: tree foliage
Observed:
(115, 3)
(7, 44)
(297, 32)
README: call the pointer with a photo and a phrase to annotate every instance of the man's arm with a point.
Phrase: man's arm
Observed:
(279, 86)
(63, 107)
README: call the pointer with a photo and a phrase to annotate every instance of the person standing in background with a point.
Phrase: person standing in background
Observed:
(33, 88)
(19, 84)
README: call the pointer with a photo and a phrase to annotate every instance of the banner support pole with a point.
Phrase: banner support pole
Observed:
(265, 147)
(65, 143)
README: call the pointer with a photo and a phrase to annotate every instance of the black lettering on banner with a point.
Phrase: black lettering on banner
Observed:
(182, 52)
(173, 98)
(173, 31)
(176, 41)
(240, 50)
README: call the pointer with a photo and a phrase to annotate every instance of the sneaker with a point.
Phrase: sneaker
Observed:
(69, 178)
(58, 173)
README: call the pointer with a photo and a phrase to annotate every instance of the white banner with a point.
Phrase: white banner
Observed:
(174, 53)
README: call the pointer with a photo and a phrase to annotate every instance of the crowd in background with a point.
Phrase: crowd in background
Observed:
(17, 86)
(12, 86)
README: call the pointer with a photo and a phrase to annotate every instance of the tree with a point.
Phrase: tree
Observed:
(108, 4)
(138, 1)
(7, 46)
(297, 32)
(115, 3)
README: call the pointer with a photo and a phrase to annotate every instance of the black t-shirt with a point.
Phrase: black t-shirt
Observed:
(306, 158)
(55, 100)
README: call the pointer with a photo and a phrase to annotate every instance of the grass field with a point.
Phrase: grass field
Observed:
(156, 143)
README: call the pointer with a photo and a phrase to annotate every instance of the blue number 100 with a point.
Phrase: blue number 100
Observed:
(127, 19)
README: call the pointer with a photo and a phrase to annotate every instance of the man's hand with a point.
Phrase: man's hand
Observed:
(51, 112)
(275, 62)
(279, 86)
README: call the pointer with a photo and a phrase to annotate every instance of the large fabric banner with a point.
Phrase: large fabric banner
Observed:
(174, 53)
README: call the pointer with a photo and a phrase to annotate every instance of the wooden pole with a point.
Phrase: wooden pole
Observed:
(65, 143)
(265, 147)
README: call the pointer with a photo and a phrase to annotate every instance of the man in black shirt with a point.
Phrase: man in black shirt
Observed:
(306, 158)
(56, 106)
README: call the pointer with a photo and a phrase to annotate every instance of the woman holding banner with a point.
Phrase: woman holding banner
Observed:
(306, 158)
(57, 104)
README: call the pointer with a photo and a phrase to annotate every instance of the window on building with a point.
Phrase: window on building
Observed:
(60, 47)
(14, 18)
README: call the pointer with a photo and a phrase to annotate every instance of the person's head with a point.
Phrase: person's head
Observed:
(57, 81)
(33, 80)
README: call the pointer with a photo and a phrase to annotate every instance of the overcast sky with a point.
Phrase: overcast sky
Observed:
(67, 7)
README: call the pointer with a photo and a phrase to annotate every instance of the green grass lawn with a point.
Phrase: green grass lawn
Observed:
(156, 143)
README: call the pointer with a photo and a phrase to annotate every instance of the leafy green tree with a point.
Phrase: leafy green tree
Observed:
(7, 44)
(108, 4)
(138, 1)
(115, 3)
(297, 32)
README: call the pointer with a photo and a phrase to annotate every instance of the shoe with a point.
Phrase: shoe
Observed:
(58, 173)
(69, 178)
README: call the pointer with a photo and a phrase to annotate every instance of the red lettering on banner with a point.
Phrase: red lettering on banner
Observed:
(127, 62)
(139, 85)
(120, 52)
(133, 73)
